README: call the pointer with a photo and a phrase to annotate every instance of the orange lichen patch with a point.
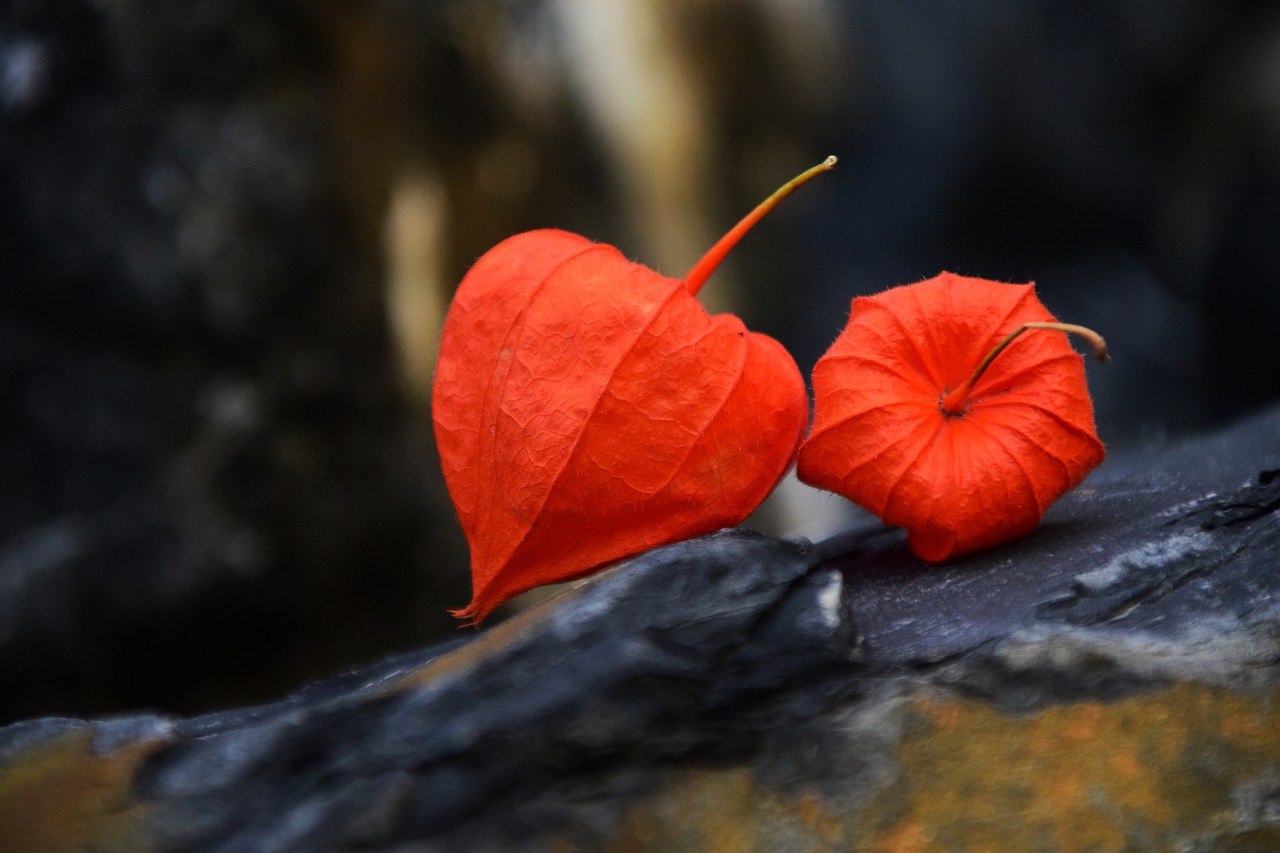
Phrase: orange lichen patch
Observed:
(812, 814)
(62, 796)
(1246, 723)
(906, 837)
(1084, 723)
(941, 715)
(728, 811)
(1126, 766)
(1153, 771)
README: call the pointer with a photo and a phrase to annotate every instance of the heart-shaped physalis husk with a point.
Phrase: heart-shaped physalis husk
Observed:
(955, 408)
(587, 408)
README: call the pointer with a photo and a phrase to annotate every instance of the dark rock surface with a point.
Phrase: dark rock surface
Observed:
(1116, 671)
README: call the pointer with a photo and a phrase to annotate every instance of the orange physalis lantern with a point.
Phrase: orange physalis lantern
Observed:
(587, 408)
(956, 408)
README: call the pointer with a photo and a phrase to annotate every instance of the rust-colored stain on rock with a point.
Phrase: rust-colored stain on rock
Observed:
(60, 795)
(1160, 771)
(1150, 772)
(727, 810)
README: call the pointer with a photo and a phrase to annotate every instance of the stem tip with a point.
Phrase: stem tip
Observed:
(703, 268)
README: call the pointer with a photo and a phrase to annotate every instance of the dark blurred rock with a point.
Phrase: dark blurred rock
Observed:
(1124, 160)
(1106, 682)
(203, 449)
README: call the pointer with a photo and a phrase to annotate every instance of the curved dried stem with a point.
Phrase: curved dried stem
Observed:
(707, 265)
(954, 402)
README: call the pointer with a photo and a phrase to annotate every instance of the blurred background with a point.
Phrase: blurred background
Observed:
(229, 230)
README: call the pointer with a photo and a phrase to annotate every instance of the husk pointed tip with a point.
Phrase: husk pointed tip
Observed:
(471, 616)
